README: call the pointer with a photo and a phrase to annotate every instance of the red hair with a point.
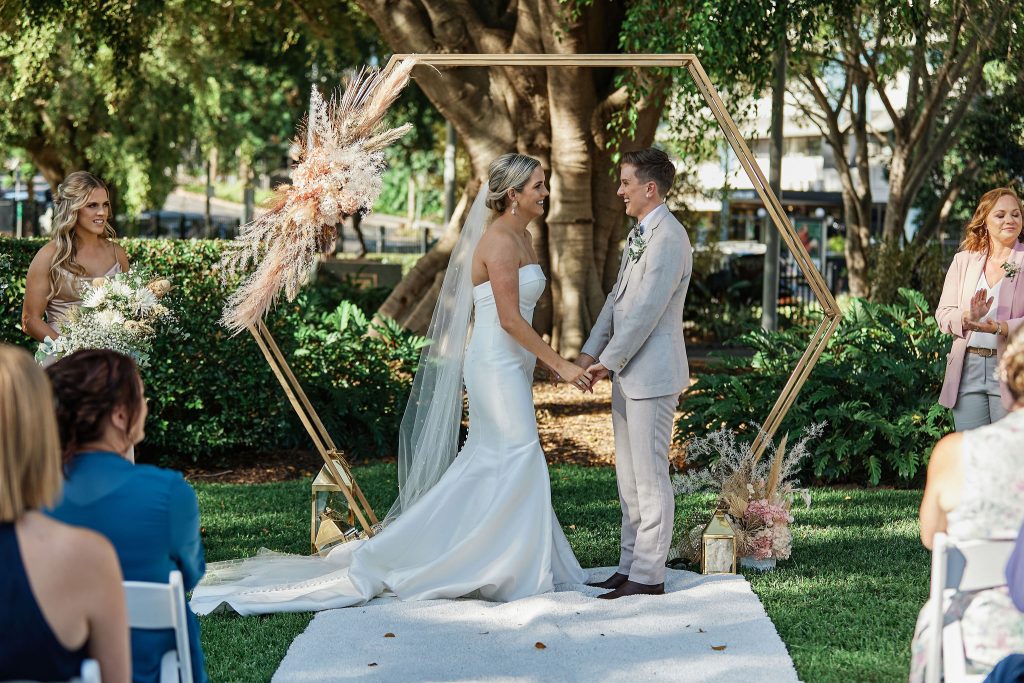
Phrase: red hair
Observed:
(975, 233)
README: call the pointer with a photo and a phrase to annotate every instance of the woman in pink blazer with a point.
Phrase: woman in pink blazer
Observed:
(982, 303)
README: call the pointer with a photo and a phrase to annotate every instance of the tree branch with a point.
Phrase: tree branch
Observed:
(936, 148)
(940, 212)
(951, 71)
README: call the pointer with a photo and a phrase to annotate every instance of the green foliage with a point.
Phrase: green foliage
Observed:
(125, 89)
(211, 394)
(917, 266)
(988, 154)
(876, 384)
(378, 372)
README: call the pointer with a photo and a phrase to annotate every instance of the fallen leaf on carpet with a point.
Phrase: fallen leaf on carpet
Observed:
(372, 664)
(389, 635)
(540, 646)
(700, 630)
(718, 647)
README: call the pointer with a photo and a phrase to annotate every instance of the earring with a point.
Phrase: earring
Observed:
(515, 206)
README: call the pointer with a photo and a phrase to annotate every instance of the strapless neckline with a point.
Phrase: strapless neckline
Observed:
(487, 284)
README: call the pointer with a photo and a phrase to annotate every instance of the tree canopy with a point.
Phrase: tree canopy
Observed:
(125, 88)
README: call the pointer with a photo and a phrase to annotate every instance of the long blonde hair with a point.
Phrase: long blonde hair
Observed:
(975, 232)
(30, 461)
(72, 195)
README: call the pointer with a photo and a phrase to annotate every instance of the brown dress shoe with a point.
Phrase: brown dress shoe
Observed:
(613, 581)
(633, 588)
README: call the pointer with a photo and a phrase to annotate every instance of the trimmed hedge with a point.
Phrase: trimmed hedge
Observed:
(211, 394)
(877, 383)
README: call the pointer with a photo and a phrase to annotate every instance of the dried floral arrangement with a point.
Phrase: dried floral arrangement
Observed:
(756, 492)
(338, 174)
(123, 313)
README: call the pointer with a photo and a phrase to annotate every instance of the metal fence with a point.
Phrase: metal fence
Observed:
(796, 299)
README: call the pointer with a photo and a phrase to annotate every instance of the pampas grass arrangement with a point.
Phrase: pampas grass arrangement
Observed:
(341, 158)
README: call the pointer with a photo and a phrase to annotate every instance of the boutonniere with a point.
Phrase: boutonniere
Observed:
(637, 246)
(1011, 269)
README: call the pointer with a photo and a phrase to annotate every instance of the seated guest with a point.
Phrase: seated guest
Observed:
(1015, 572)
(150, 514)
(1011, 669)
(60, 587)
(974, 490)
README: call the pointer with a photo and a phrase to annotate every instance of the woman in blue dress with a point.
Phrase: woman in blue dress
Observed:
(150, 514)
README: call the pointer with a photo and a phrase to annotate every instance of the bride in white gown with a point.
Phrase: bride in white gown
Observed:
(477, 525)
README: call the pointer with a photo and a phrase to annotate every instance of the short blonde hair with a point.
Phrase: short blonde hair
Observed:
(30, 465)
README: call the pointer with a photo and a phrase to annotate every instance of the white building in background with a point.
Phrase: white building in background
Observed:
(811, 187)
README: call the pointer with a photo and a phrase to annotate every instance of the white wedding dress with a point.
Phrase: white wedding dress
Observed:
(485, 530)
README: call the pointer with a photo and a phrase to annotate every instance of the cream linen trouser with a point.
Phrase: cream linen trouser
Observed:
(643, 431)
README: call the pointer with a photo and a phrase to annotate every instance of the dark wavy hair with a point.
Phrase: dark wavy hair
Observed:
(88, 386)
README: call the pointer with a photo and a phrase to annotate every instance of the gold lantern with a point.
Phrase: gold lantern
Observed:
(718, 546)
(332, 520)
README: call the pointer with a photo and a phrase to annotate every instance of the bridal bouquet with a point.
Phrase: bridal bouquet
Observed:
(755, 491)
(122, 313)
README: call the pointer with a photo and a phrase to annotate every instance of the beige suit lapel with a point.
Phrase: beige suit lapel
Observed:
(651, 231)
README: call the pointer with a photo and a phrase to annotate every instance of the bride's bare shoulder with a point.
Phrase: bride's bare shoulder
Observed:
(495, 243)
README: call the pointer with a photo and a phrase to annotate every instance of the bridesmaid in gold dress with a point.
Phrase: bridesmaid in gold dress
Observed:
(82, 249)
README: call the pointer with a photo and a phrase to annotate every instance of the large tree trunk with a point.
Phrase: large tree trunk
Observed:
(556, 114)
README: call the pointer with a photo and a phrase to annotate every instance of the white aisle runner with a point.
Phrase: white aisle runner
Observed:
(705, 629)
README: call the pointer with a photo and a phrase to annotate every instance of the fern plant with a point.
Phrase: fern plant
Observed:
(877, 384)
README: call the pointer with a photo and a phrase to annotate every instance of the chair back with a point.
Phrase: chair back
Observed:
(160, 606)
(90, 672)
(959, 567)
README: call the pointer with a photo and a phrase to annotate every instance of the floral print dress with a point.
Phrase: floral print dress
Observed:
(991, 503)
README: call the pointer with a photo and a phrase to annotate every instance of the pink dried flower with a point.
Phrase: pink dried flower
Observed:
(767, 513)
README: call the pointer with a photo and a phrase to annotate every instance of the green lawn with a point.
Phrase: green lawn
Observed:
(845, 603)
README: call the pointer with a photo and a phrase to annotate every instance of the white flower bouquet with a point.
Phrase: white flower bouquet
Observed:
(121, 313)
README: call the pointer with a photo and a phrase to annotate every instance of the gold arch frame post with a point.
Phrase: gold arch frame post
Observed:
(335, 464)
(832, 315)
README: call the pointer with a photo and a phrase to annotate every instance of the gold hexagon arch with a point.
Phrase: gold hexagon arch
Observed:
(692, 64)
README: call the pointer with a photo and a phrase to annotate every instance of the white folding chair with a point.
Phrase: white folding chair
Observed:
(90, 672)
(160, 606)
(960, 567)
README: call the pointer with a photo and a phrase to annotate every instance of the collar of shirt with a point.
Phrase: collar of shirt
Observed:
(654, 213)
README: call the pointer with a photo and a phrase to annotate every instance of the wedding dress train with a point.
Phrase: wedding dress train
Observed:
(485, 530)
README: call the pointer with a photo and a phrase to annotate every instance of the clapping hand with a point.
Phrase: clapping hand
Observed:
(979, 307)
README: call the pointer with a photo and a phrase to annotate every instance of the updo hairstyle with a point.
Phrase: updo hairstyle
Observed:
(507, 172)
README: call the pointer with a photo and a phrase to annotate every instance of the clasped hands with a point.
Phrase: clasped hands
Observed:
(583, 373)
(980, 305)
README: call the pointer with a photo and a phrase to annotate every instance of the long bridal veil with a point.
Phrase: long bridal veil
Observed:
(428, 444)
(429, 437)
